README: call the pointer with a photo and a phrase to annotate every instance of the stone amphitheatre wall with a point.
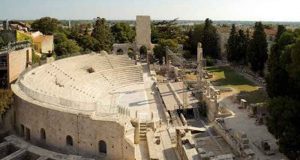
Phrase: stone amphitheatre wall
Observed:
(86, 133)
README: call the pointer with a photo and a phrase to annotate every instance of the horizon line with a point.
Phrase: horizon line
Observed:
(218, 20)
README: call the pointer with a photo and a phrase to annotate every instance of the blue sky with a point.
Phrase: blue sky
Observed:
(254, 10)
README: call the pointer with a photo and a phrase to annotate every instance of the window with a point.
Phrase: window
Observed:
(102, 147)
(69, 141)
(43, 134)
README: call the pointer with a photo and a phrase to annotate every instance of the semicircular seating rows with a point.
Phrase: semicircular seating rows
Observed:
(69, 83)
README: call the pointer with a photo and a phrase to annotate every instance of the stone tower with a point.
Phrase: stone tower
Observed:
(143, 31)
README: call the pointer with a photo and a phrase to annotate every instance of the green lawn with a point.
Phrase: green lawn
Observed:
(226, 77)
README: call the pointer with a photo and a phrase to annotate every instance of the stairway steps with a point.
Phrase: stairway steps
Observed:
(143, 131)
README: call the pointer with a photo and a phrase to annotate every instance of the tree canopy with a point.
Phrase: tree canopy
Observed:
(65, 46)
(6, 100)
(167, 30)
(206, 34)
(210, 41)
(46, 25)
(122, 33)
(195, 35)
(160, 49)
(88, 43)
(237, 45)
(81, 35)
(258, 49)
(283, 85)
(103, 35)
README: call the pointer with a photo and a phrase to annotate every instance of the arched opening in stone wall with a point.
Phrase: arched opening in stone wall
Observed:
(27, 134)
(102, 147)
(69, 140)
(22, 130)
(143, 52)
(120, 52)
(131, 53)
(43, 134)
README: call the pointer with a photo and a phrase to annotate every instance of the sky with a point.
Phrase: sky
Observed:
(249, 10)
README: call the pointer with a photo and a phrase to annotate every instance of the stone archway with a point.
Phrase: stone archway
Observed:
(120, 51)
(143, 52)
(102, 147)
(43, 134)
(69, 140)
(131, 53)
(127, 48)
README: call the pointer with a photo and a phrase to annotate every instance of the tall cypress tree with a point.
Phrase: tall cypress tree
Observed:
(258, 49)
(237, 46)
(280, 29)
(232, 44)
(242, 45)
(210, 40)
(103, 34)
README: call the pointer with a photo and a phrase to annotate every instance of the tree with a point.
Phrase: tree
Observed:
(237, 45)
(64, 46)
(232, 44)
(294, 70)
(167, 30)
(6, 100)
(102, 34)
(81, 35)
(122, 33)
(283, 122)
(277, 78)
(195, 36)
(283, 85)
(280, 29)
(285, 39)
(208, 36)
(160, 49)
(242, 45)
(258, 49)
(88, 43)
(67, 47)
(210, 41)
(46, 25)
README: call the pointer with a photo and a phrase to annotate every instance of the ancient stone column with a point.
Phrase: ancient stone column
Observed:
(136, 124)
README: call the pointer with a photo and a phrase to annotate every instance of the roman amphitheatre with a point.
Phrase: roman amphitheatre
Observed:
(91, 98)
(112, 106)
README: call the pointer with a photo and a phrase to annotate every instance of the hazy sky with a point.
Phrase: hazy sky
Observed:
(264, 10)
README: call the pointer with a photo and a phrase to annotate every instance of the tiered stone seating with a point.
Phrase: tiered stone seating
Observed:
(68, 80)
(123, 76)
(119, 61)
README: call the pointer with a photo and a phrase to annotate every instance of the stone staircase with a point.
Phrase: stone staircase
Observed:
(143, 131)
